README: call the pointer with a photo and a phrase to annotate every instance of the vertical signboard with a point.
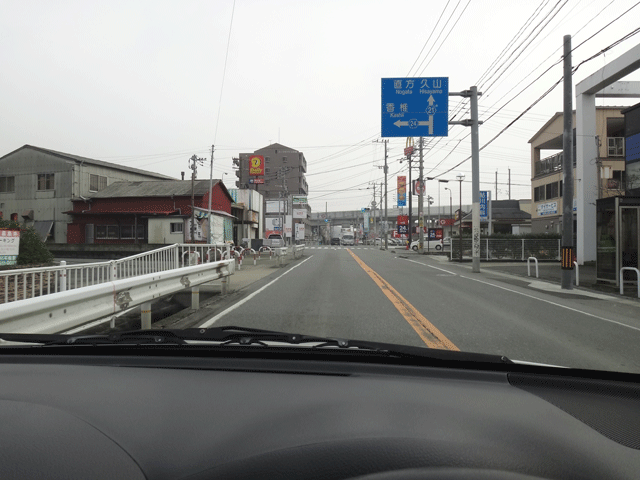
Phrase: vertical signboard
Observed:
(485, 196)
(402, 191)
(288, 225)
(366, 221)
(256, 165)
(299, 231)
(9, 246)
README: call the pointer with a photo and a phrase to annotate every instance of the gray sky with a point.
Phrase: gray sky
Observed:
(139, 83)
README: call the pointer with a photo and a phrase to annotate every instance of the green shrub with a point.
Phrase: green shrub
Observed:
(32, 248)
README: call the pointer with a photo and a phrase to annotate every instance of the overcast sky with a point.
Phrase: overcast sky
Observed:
(143, 84)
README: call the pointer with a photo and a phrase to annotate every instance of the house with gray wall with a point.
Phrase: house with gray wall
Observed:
(37, 186)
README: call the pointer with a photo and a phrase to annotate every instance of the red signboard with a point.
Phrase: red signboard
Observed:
(408, 151)
(256, 165)
(403, 219)
(447, 221)
(419, 188)
(256, 180)
(402, 191)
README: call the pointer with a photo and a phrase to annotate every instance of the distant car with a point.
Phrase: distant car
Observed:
(335, 241)
(436, 245)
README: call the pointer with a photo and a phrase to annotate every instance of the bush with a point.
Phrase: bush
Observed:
(32, 248)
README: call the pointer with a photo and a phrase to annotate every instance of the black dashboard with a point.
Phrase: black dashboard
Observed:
(178, 413)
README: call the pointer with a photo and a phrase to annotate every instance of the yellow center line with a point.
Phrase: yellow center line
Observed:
(433, 337)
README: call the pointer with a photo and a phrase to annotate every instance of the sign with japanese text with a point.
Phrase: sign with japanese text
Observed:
(403, 229)
(9, 246)
(403, 220)
(402, 191)
(256, 165)
(299, 231)
(415, 107)
(256, 180)
(419, 188)
(297, 200)
(299, 213)
(485, 198)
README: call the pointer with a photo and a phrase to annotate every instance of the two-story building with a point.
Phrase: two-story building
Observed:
(38, 185)
(546, 167)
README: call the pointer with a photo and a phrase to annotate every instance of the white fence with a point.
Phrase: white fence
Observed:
(33, 282)
(68, 309)
(509, 249)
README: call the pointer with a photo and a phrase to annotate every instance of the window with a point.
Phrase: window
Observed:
(551, 190)
(267, 160)
(45, 181)
(267, 170)
(177, 227)
(107, 231)
(538, 194)
(140, 231)
(7, 184)
(97, 183)
(284, 159)
(561, 188)
(126, 231)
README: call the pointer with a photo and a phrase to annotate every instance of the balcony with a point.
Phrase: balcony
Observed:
(551, 164)
(303, 164)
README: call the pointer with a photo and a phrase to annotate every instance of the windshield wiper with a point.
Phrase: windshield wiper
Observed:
(231, 335)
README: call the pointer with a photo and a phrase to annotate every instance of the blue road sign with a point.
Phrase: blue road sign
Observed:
(403, 229)
(415, 107)
(484, 200)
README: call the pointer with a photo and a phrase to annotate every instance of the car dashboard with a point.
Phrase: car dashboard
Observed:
(178, 413)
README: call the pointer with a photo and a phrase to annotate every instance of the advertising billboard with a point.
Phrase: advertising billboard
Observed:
(402, 191)
(256, 165)
(9, 246)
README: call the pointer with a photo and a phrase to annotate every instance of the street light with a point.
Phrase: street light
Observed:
(450, 214)
(439, 182)
(460, 178)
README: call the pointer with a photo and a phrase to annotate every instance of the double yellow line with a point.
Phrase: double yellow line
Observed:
(433, 337)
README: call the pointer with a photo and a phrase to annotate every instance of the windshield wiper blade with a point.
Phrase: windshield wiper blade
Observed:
(243, 336)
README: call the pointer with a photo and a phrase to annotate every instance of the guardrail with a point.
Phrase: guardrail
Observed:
(630, 269)
(68, 309)
(33, 282)
(298, 249)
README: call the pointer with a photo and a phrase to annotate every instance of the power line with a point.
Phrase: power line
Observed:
(224, 72)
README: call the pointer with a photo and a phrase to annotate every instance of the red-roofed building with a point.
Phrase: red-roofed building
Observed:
(159, 212)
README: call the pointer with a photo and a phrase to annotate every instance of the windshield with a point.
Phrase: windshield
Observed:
(400, 173)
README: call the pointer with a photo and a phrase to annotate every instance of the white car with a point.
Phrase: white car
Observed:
(432, 245)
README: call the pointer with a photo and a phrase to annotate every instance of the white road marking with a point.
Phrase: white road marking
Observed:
(214, 319)
(553, 303)
(431, 266)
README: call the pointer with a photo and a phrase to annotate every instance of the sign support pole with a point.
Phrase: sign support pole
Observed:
(421, 203)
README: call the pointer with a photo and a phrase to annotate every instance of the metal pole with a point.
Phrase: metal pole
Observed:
(567, 167)
(421, 202)
(475, 180)
(210, 239)
(386, 212)
(460, 178)
(410, 201)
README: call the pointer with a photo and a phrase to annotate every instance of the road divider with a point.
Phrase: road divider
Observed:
(428, 332)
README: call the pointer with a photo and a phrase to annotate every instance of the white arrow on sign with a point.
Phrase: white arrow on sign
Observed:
(431, 100)
(416, 123)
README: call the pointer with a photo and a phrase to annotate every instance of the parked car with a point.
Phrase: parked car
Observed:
(436, 245)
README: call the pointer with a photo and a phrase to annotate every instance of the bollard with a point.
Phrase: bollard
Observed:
(145, 316)
(224, 285)
(195, 298)
(254, 259)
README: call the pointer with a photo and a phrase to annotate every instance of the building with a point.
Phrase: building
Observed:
(38, 185)
(546, 167)
(153, 212)
(632, 149)
(284, 177)
(507, 217)
(247, 210)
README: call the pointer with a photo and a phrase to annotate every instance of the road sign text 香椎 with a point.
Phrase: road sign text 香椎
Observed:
(415, 107)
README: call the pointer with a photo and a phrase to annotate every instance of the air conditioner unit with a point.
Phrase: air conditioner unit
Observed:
(27, 215)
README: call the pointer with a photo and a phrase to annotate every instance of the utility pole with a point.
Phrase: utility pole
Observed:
(473, 122)
(567, 167)
(210, 235)
(386, 212)
(382, 225)
(194, 169)
(421, 193)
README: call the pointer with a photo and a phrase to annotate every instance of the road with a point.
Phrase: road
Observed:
(406, 298)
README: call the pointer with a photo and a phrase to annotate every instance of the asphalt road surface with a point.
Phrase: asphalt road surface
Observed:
(412, 299)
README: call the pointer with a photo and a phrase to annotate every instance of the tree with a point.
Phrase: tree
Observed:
(32, 248)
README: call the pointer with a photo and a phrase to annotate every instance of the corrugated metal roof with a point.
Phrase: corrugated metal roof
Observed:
(163, 188)
(92, 161)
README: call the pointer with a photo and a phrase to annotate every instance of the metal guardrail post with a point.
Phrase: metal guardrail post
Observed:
(630, 269)
(145, 316)
(113, 271)
(529, 265)
(195, 298)
(575, 264)
(523, 249)
(62, 277)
